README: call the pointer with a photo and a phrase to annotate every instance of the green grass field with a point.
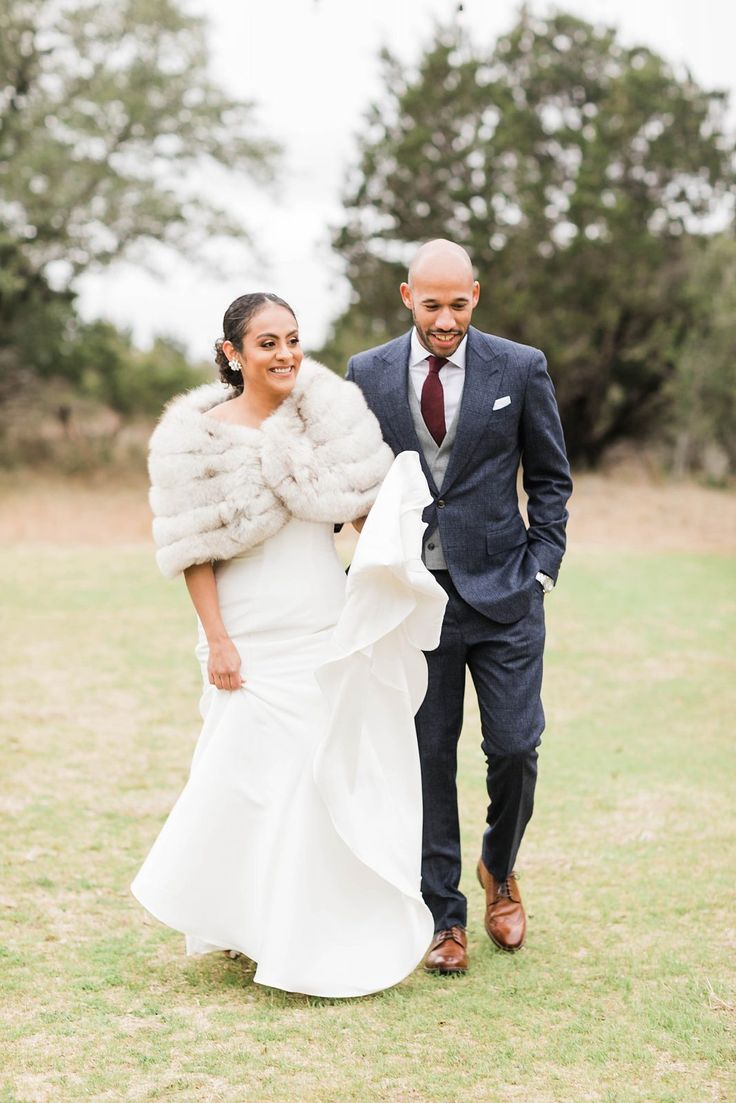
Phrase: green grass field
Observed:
(626, 990)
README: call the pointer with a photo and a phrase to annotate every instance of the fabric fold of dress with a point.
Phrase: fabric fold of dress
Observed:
(297, 838)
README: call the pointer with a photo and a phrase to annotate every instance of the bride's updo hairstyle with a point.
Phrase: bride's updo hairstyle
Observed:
(238, 317)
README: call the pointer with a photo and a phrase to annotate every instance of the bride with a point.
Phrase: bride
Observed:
(297, 838)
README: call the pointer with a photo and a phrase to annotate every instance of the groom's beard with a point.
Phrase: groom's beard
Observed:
(439, 348)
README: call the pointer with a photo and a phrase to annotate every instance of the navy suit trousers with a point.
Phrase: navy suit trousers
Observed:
(505, 663)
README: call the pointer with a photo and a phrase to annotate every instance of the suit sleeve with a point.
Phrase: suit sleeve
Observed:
(546, 471)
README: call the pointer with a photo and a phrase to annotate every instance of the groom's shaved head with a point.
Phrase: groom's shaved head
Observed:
(440, 255)
(441, 294)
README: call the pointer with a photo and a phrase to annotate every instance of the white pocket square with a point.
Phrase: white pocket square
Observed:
(501, 402)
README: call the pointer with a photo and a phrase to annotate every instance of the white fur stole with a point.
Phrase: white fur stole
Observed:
(218, 489)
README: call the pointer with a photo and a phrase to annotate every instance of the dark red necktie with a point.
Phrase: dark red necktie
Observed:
(433, 399)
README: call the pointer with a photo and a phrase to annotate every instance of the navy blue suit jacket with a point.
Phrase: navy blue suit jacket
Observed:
(491, 556)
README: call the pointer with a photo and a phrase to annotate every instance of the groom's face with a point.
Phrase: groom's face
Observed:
(441, 298)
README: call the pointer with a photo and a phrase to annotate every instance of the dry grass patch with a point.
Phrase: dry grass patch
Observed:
(627, 509)
(625, 991)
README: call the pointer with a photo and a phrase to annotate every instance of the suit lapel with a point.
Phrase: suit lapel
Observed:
(393, 394)
(483, 373)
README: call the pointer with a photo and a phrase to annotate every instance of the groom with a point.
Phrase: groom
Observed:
(475, 407)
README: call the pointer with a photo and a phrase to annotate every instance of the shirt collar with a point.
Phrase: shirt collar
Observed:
(420, 354)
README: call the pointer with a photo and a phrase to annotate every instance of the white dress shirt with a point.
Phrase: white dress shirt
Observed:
(452, 374)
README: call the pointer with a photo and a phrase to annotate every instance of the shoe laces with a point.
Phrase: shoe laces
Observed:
(504, 887)
(449, 934)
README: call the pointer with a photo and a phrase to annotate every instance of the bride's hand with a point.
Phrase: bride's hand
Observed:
(223, 665)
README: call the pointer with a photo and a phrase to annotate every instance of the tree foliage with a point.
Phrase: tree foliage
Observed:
(106, 110)
(69, 409)
(703, 389)
(103, 364)
(574, 170)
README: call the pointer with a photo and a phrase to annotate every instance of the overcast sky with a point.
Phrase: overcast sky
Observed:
(312, 68)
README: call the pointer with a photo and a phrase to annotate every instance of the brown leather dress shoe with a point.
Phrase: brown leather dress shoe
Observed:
(505, 920)
(448, 952)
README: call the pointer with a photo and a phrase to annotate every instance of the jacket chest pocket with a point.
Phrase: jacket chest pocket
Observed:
(504, 421)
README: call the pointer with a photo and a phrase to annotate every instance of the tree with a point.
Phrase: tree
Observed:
(573, 169)
(703, 388)
(105, 111)
(33, 320)
(103, 364)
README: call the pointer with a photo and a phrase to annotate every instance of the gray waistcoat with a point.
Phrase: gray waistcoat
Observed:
(437, 460)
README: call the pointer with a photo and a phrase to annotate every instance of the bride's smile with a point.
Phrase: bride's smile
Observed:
(271, 353)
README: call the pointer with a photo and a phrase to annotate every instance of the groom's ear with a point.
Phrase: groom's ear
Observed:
(406, 296)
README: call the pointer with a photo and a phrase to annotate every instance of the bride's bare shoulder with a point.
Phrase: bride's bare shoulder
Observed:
(234, 413)
(220, 412)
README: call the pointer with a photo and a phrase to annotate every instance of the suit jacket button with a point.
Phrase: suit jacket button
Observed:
(441, 503)
(430, 547)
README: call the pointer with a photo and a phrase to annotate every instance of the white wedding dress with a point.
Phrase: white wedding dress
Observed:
(297, 839)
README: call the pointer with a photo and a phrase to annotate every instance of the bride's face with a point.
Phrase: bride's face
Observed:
(271, 354)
